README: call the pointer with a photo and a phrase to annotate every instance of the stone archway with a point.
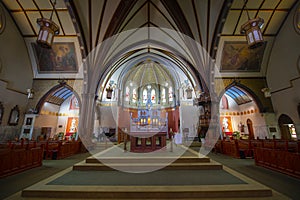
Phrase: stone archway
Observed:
(58, 111)
(283, 121)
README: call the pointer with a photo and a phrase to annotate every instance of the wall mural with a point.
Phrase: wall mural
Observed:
(60, 58)
(237, 57)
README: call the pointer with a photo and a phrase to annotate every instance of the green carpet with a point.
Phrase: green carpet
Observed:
(156, 178)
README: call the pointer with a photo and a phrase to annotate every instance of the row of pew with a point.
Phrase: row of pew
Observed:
(275, 154)
(18, 156)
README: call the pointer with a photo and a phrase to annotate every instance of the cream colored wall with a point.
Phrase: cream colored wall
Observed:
(15, 71)
(283, 74)
(48, 117)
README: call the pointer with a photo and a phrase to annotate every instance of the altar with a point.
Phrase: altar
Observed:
(148, 132)
(149, 128)
(141, 141)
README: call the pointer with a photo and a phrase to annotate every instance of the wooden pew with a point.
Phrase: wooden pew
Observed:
(13, 161)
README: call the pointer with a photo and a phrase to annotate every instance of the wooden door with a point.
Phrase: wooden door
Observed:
(250, 129)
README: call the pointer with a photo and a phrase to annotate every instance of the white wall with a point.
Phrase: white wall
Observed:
(283, 74)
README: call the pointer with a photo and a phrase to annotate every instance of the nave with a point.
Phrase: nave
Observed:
(278, 182)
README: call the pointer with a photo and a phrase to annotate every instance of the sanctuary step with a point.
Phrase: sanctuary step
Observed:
(188, 177)
(148, 166)
(184, 159)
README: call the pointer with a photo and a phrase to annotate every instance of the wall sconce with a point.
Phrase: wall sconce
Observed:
(48, 29)
(267, 92)
(252, 30)
(30, 93)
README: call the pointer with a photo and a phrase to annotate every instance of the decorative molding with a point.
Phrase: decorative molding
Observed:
(286, 88)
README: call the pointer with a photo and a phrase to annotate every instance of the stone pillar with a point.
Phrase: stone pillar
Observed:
(86, 120)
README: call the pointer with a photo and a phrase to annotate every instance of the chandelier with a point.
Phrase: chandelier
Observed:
(48, 29)
(252, 29)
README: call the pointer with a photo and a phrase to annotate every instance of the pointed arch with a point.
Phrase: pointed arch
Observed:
(68, 92)
(247, 92)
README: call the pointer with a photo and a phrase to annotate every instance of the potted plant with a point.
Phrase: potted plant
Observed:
(236, 135)
(60, 135)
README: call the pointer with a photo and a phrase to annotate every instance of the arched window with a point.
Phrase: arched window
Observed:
(127, 94)
(134, 95)
(153, 96)
(170, 94)
(163, 95)
(144, 96)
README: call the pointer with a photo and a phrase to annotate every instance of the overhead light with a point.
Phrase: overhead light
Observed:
(48, 29)
(252, 29)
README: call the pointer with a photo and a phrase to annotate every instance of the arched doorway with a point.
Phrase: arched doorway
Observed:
(250, 129)
(287, 127)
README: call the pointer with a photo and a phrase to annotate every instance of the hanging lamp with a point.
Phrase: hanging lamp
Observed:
(252, 29)
(48, 29)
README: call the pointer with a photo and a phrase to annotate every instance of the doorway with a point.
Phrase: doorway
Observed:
(250, 129)
(287, 127)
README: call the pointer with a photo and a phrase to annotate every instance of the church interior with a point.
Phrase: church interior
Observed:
(153, 99)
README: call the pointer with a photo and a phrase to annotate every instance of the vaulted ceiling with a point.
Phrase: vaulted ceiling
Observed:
(95, 20)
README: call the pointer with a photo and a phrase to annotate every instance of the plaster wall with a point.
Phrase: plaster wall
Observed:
(15, 70)
(283, 75)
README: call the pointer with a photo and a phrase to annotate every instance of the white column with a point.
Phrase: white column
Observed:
(86, 120)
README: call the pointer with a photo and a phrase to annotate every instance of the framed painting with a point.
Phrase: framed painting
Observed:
(60, 58)
(14, 116)
(226, 124)
(237, 57)
(74, 105)
(63, 60)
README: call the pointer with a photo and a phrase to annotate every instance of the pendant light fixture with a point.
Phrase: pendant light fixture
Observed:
(48, 29)
(252, 29)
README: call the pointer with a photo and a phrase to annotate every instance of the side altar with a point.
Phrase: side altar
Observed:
(148, 131)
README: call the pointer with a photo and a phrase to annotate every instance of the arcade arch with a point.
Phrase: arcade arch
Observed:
(240, 114)
(58, 113)
(287, 127)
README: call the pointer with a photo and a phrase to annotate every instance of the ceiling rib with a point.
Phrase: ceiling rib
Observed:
(133, 15)
(197, 21)
(100, 23)
(219, 26)
(28, 20)
(266, 26)
(177, 14)
(118, 18)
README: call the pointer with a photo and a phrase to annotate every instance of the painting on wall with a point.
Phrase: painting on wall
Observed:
(226, 124)
(63, 60)
(72, 124)
(237, 57)
(74, 105)
(60, 58)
